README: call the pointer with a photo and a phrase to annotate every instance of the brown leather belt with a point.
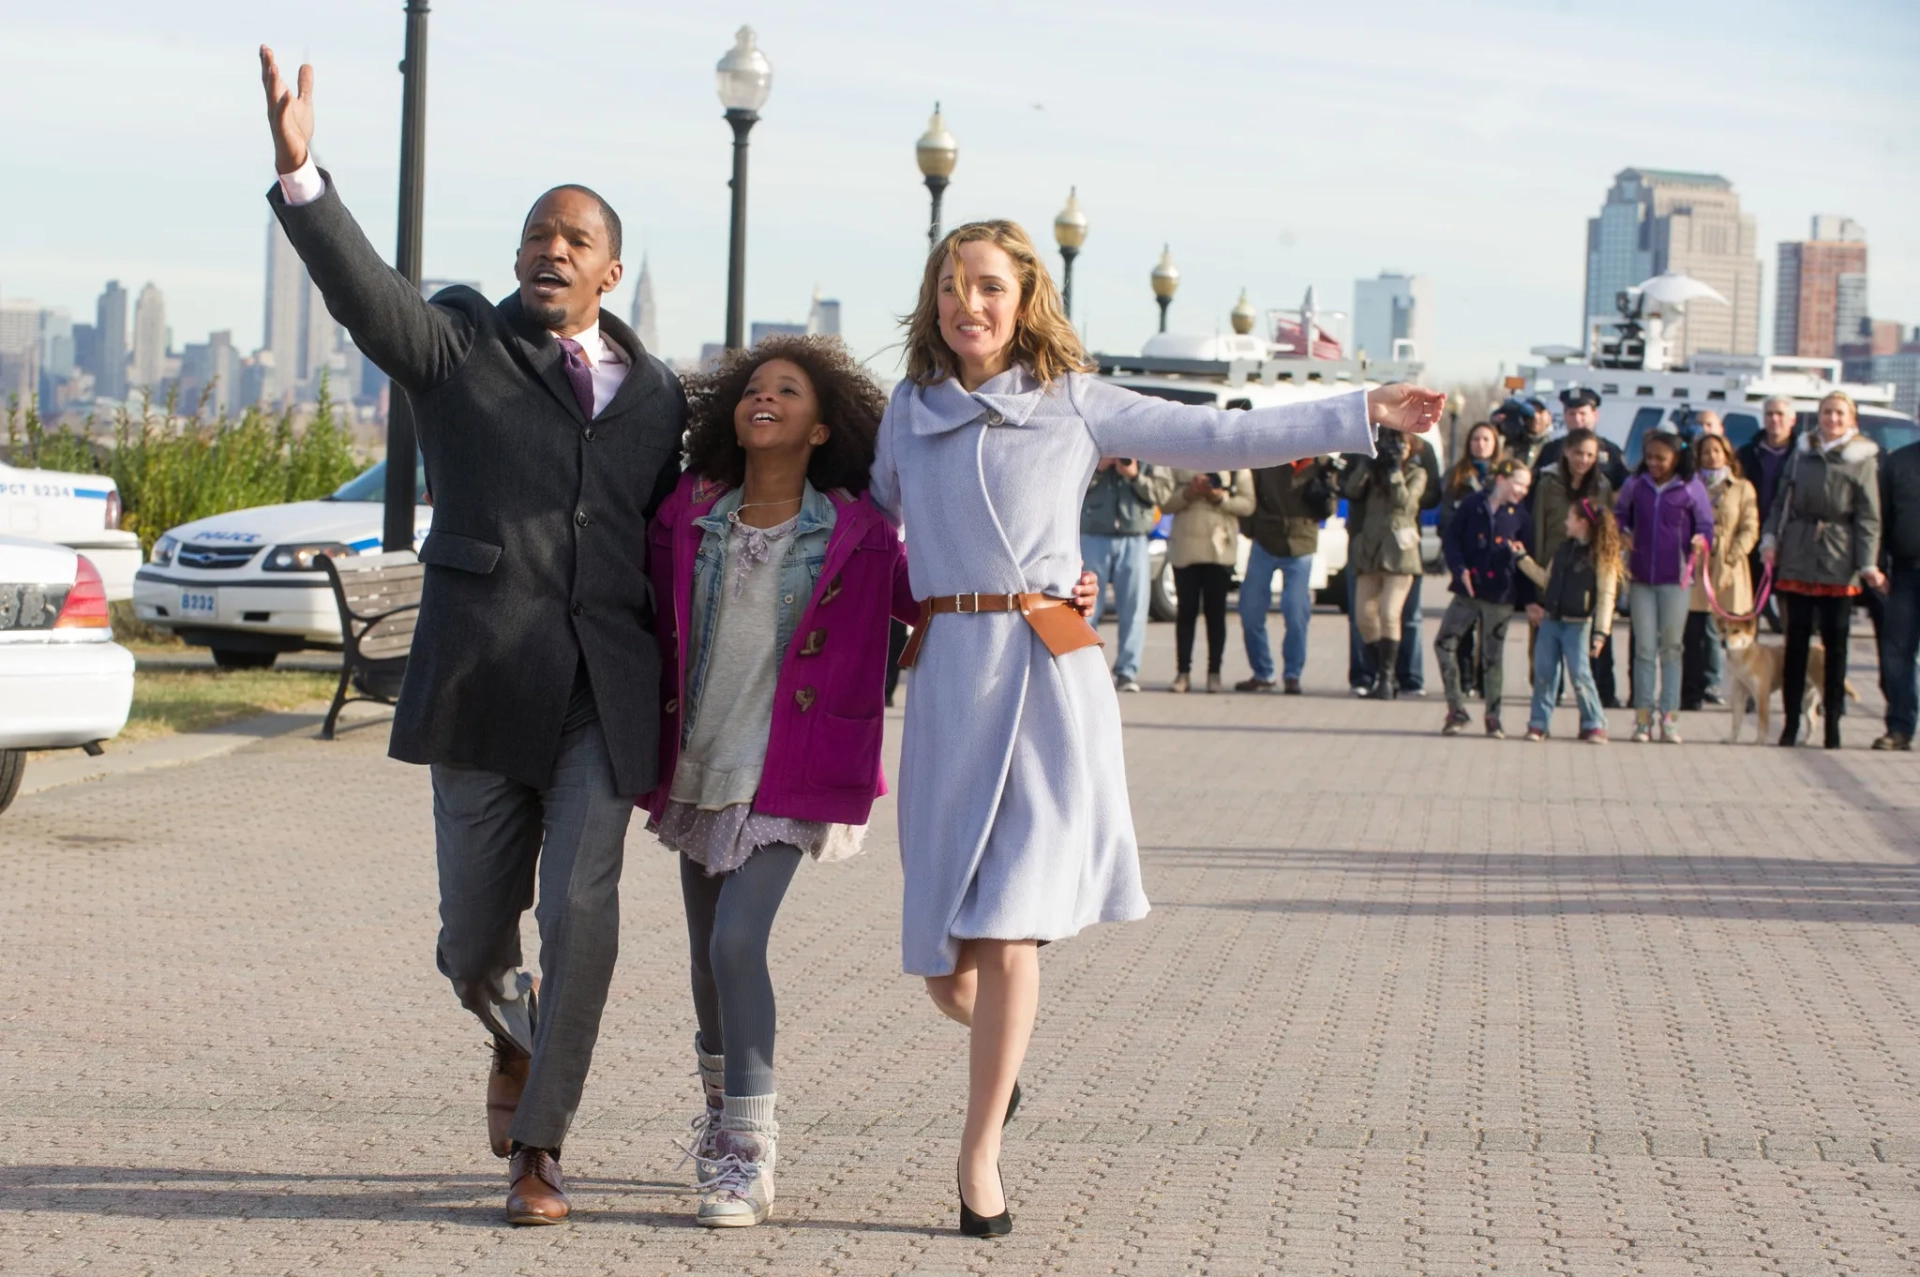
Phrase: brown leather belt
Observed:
(1059, 625)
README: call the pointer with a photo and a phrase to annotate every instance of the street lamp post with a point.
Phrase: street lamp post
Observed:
(1244, 314)
(1070, 232)
(936, 152)
(745, 78)
(396, 531)
(1166, 282)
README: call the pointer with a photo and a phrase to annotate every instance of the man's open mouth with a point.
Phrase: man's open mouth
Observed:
(548, 281)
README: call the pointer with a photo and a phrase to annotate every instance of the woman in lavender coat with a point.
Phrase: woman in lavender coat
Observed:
(1014, 821)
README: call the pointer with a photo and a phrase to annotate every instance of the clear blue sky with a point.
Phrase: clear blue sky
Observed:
(1273, 145)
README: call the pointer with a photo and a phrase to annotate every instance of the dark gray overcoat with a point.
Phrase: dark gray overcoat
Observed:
(537, 557)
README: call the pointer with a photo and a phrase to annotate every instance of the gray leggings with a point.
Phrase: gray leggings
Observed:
(729, 918)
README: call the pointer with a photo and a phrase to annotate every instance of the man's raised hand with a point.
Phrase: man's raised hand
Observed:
(289, 113)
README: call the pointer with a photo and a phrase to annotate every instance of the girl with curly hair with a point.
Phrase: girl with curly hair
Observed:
(775, 577)
(1014, 822)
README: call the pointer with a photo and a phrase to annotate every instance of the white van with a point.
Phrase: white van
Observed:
(1633, 401)
(1237, 371)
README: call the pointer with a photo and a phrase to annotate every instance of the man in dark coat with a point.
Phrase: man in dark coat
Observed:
(1763, 460)
(532, 689)
(1900, 624)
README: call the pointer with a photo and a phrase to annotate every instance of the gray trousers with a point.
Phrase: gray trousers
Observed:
(495, 839)
(1462, 614)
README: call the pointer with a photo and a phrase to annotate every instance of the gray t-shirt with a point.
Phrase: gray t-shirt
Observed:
(721, 764)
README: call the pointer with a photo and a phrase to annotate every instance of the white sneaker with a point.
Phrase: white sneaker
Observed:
(739, 1193)
(1125, 683)
(703, 1148)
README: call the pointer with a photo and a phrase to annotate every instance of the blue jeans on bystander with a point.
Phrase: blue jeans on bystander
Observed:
(1659, 615)
(1122, 561)
(1296, 610)
(1554, 643)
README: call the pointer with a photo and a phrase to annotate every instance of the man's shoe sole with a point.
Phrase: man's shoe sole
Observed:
(527, 1219)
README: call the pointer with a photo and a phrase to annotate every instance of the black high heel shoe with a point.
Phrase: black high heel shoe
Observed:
(975, 1225)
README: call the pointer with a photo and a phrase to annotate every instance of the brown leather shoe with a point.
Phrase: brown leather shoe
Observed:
(505, 1082)
(535, 1195)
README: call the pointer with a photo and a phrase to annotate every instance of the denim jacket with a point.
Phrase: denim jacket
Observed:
(806, 552)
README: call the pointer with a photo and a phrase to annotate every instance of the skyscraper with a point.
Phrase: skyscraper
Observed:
(285, 317)
(149, 338)
(1820, 296)
(824, 316)
(1657, 220)
(110, 343)
(56, 342)
(1392, 308)
(210, 375)
(19, 350)
(319, 339)
(646, 322)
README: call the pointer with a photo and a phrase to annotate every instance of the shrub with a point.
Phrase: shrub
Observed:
(172, 470)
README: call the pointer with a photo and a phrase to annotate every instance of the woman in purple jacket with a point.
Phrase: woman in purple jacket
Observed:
(1665, 515)
(776, 578)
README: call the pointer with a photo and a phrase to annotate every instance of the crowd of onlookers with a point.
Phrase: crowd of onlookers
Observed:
(1701, 542)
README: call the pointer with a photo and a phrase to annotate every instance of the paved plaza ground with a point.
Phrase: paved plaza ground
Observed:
(1404, 1005)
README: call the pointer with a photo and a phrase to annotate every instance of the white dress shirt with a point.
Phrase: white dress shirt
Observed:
(608, 362)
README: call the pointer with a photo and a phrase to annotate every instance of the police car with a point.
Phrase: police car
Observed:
(249, 584)
(64, 682)
(79, 511)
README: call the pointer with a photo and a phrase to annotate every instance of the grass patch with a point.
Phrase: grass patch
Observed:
(166, 702)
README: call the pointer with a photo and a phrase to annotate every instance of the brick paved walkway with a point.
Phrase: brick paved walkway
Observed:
(1404, 1004)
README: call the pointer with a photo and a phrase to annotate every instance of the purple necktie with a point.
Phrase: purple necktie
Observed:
(579, 376)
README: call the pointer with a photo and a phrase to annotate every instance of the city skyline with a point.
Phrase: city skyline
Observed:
(1458, 148)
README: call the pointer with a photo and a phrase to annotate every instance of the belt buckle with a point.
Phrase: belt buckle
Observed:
(966, 611)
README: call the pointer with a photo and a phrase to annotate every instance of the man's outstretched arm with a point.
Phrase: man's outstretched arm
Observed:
(416, 344)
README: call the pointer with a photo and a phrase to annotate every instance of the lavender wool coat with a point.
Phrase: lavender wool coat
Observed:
(1014, 819)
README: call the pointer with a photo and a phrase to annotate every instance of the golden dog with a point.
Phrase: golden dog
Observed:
(1758, 669)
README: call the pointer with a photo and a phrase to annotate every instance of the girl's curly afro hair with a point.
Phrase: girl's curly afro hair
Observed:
(851, 403)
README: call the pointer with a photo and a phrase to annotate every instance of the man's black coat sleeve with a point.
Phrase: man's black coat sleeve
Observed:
(417, 344)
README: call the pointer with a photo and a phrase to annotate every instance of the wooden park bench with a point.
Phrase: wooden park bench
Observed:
(379, 598)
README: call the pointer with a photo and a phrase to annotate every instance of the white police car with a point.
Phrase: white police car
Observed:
(249, 584)
(64, 682)
(79, 511)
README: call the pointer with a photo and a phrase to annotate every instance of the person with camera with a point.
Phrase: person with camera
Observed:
(1409, 674)
(1207, 508)
(1525, 427)
(1289, 503)
(1482, 544)
(1121, 506)
(1384, 550)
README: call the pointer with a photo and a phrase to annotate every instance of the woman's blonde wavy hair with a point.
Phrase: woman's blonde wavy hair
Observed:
(1043, 338)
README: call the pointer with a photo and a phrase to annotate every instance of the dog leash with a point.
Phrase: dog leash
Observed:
(1706, 579)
